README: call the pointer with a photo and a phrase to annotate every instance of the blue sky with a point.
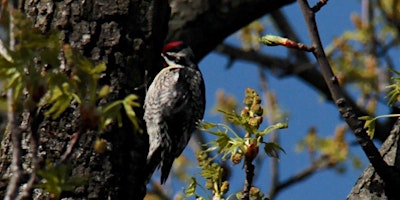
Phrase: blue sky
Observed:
(304, 105)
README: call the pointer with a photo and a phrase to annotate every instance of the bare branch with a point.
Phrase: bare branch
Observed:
(318, 165)
(388, 174)
(249, 167)
(279, 66)
(16, 135)
(205, 24)
(313, 76)
(319, 5)
(71, 146)
(14, 131)
(273, 135)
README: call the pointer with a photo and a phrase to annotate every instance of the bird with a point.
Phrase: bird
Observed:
(173, 108)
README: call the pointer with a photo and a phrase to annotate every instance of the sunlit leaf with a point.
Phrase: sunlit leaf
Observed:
(191, 189)
(272, 128)
(99, 68)
(104, 91)
(208, 125)
(129, 102)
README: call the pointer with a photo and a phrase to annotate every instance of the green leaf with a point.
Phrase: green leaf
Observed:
(272, 149)
(104, 91)
(14, 79)
(393, 93)
(271, 40)
(233, 117)
(272, 128)
(132, 100)
(128, 103)
(365, 118)
(208, 125)
(99, 68)
(60, 98)
(369, 125)
(58, 108)
(57, 179)
(110, 108)
(191, 189)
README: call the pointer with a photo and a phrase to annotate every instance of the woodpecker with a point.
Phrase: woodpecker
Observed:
(173, 107)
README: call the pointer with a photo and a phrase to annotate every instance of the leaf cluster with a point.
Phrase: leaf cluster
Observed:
(362, 57)
(57, 179)
(393, 96)
(334, 149)
(213, 173)
(229, 145)
(232, 146)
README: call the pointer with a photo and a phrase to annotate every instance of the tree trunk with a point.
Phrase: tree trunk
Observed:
(126, 36)
(369, 185)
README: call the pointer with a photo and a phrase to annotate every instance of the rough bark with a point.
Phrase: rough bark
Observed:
(369, 185)
(126, 36)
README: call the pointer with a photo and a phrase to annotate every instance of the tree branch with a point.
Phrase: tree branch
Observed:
(316, 166)
(369, 184)
(307, 72)
(16, 136)
(345, 108)
(206, 24)
(249, 168)
(312, 75)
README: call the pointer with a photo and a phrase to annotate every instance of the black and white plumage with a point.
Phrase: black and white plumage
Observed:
(174, 105)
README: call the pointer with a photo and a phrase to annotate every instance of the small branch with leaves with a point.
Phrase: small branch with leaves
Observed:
(230, 145)
(390, 175)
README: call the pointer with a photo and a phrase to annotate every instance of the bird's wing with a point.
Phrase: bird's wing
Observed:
(168, 92)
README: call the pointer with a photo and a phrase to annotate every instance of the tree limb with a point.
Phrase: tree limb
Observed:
(16, 136)
(307, 72)
(317, 165)
(369, 184)
(388, 174)
(205, 24)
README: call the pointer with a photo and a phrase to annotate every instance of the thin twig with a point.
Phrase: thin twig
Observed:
(279, 66)
(319, 164)
(307, 72)
(249, 167)
(15, 132)
(16, 136)
(312, 75)
(319, 5)
(388, 174)
(71, 147)
(273, 135)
